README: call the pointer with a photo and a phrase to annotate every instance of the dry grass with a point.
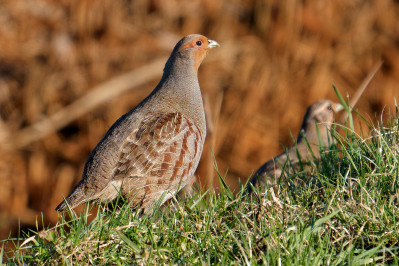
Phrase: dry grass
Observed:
(276, 59)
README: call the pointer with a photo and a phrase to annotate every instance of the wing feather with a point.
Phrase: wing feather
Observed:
(162, 154)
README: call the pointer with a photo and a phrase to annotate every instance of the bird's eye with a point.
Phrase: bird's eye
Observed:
(329, 108)
(198, 43)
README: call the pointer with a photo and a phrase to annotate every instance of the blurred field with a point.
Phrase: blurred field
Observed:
(276, 58)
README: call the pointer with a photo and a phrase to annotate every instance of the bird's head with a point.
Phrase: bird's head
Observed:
(320, 114)
(194, 46)
(323, 112)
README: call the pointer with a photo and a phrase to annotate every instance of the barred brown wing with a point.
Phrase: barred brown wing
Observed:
(160, 155)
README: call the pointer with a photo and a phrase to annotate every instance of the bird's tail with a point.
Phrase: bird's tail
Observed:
(75, 198)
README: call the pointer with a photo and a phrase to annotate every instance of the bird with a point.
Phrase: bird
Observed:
(318, 121)
(151, 152)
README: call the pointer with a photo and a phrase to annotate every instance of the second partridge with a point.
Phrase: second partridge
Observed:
(319, 117)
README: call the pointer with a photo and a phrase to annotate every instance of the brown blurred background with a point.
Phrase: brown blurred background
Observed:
(276, 58)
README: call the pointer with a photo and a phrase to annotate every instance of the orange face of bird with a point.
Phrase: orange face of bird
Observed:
(200, 46)
(326, 111)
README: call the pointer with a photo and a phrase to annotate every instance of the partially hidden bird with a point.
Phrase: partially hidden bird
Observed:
(152, 152)
(314, 134)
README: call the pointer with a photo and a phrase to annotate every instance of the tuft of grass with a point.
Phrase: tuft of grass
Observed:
(345, 213)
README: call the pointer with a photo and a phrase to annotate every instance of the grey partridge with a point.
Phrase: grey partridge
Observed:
(318, 119)
(154, 149)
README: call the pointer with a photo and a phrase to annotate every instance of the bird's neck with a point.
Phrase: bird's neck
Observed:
(181, 88)
(311, 135)
(180, 65)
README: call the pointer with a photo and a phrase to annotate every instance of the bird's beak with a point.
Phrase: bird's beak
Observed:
(213, 44)
(338, 107)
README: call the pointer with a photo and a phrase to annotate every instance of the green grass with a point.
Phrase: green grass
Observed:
(346, 213)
